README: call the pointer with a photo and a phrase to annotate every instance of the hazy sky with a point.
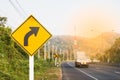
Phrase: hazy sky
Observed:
(90, 17)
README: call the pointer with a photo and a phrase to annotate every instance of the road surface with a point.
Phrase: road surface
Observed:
(94, 72)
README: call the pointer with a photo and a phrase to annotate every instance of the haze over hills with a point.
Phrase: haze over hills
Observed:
(91, 46)
(99, 43)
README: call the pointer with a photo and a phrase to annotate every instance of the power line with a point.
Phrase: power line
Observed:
(18, 11)
(20, 7)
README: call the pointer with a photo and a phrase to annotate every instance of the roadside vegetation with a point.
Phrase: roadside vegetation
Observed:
(46, 70)
(112, 55)
(14, 62)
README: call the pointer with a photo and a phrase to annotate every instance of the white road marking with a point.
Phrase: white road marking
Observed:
(84, 72)
(117, 72)
(88, 74)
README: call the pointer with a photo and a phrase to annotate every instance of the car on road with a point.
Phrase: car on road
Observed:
(81, 63)
(81, 60)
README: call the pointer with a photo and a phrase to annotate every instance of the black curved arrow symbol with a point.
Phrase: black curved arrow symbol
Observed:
(34, 30)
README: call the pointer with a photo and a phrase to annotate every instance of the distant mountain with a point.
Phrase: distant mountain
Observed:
(99, 43)
(91, 46)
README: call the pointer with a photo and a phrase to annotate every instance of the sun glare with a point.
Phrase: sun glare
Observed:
(92, 23)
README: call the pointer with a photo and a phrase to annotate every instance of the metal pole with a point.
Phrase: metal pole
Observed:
(56, 57)
(52, 51)
(67, 54)
(48, 50)
(55, 61)
(59, 56)
(44, 51)
(31, 67)
(38, 53)
(63, 55)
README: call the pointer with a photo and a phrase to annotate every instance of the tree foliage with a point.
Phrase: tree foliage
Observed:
(3, 21)
(113, 54)
(13, 60)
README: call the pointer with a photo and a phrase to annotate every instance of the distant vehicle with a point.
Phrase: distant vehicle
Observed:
(81, 59)
(95, 61)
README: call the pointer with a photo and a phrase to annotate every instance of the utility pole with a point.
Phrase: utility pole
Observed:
(44, 51)
(38, 53)
(63, 55)
(48, 49)
(52, 51)
(70, 53)
(60, 55)
(56, 57)
(67, 54)
(75, 43)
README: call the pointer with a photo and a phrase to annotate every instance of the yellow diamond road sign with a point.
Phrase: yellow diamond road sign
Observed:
(31, 35)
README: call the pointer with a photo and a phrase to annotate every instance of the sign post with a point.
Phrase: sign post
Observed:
(31, 67)
(31, 36)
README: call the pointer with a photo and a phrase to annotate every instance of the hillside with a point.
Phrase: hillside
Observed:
(91, 46)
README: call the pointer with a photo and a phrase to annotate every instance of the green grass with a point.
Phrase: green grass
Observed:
(46, 70)
(19, 70)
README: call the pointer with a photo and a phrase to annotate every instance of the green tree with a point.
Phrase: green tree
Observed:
(113, 54)
(3, 21)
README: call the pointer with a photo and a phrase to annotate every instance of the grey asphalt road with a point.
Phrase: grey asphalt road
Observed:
(94, 72)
